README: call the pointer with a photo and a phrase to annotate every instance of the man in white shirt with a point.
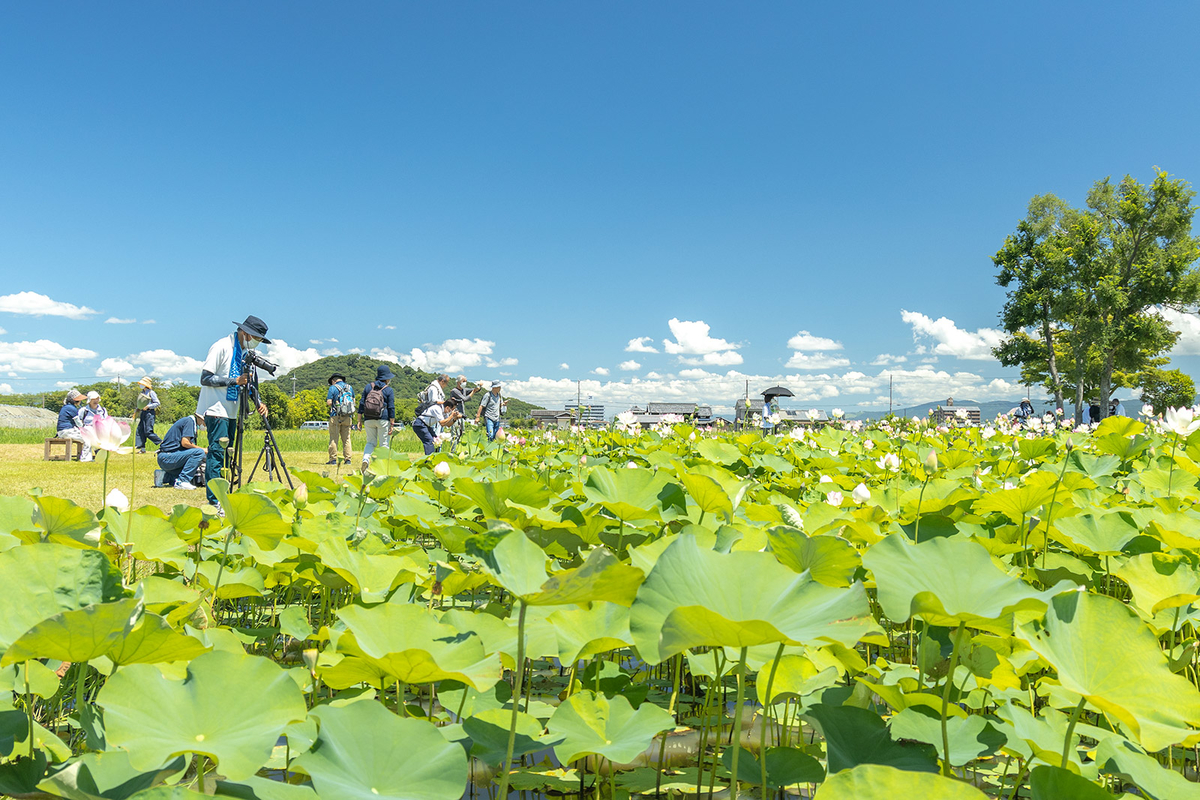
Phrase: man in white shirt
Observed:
(221, 377)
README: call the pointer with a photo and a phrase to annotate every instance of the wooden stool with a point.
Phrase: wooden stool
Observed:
(55, 442)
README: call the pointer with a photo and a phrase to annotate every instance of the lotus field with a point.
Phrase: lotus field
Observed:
(890, 611)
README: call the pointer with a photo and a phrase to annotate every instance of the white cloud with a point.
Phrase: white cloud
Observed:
(2, 331)
(1188, 326)
(5, 388)
(653, 375)
(163, 362)
(114, 366)
(883, 359)
(806, 341)
(40, 356)
(288, 357)
(629, 366)
(39, 305)
(725, 359)
(331, 351)
(600, 371)
(818, 361)
(451, 355)
(641, 345)
(148, 322)
(358, 351)
(115, 321)
(951, 339)
(386, 327)
(691, 338)
(564, 365)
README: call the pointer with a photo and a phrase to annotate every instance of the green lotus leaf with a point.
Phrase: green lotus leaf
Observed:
(64, 522)
(257, 787)
(252, 515)
(1160, 581)
(168, 793)
(795, 676)
(600, 577)
(1104, 534)
(947, 582)
(856, 736)
(154, 641)
(14, 730)
(584, 632)
(1016, 504)
(103, 776)
(42, 580)
(830, 560)
(78, 635)
(230, 707)
(16, 514)
(489, 735)
(707, 494)
(695, 597)
(718, 452)
(970, 736)
(1055, 783)
(493, 498)
(243, 581)
(148, 537)
(592, 724)
(409, 643)
(632, 494)
(1104, 653)
(363, 752)
(42, 680)
(785, 766)
(20, 776)
(878, 782)
(371, 576)
(512, 559)
(293, 621)
(1117, 756)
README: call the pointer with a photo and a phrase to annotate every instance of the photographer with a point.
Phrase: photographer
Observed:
(222, 376)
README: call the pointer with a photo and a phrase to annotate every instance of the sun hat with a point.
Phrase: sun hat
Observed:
(93, 395)
(383, 373)
(337, 376)
(496, 384)
(255, 327)
(73, 393)
(146, 382)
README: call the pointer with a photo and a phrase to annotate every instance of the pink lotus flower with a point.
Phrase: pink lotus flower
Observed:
(107, 433)
(834, 498)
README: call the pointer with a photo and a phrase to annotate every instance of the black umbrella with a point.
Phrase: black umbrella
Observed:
(777, 391)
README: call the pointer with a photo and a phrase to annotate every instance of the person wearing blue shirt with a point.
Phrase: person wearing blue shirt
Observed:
(377, 412)
(68, 423)
(147, 406)
(179, 456)
(340, 399)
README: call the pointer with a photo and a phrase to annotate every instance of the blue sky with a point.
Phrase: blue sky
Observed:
(779, 192)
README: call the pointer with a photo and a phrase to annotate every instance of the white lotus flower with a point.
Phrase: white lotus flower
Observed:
(813, 414)
(961, 413)
(837, 413)
(797, 434)
(890, 462)
(834, 498)
(1147, 410)
(861, 494)
(825, 479)
(988, 432)
(442, 470)
(868, 445)
(1182, 421)
(117, 499)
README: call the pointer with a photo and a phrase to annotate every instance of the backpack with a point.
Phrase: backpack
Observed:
(373, 404)
(423, 403)
(345, 400)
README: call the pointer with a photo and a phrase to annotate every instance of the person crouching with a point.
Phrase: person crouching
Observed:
(179, 456)
(428, 426)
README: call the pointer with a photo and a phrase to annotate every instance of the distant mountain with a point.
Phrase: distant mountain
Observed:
(987, 410)
(360, 370)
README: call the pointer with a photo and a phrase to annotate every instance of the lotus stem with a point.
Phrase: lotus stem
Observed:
(104, 485)
(80, 677)
(1171, 474)
(946, 698)
(502, 792)
(917, 525)
(28, 705)
(1050, 508)
(221, 569)
(1066, 759)
(662, 748)
(736, 736)
(762, 734)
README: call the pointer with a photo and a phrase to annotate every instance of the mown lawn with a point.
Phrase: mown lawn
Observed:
(22, 467)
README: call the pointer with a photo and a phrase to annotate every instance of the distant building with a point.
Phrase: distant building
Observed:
(549, 418)
(695, 414)
(950, 414)
(788, 415)
(588, 413)
(27, 417)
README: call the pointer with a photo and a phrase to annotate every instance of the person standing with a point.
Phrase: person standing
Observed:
(147, 403)
(220, 379)
(68, 423)
(340, 399)
(179, 457)
(377, 413)
(459, 396)
(491, 408)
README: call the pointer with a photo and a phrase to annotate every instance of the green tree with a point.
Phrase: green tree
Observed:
(279, 407)
(309, 405)
(1165, 389)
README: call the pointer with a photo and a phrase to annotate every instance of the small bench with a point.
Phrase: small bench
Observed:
(55, 442)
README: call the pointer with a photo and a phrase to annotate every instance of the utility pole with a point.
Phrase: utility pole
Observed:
(889, 393)
(293, 387)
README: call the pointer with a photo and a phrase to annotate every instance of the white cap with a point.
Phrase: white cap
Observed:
(93, 395)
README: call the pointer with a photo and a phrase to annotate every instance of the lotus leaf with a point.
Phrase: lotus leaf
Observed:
(1159, 581)
(696, 597)
(856, 736)
(1117, 756)
(592, 724)
(372, 576)
(64, 522)
(947, 582)
(489, 735)
(153, 641)
(785, 766)
(1105, 654)
(1104, 534)
(148, 537)
(878, 782)
(830, 560)
(78, 635)
(707, 494)
(363, 752)
(582, 633)
(109, 775)
(632, 494)
(230, 707)
(1055, 783)
(252, 515)
(970, 736)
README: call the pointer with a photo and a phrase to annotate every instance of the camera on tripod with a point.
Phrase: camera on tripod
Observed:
(254, 359)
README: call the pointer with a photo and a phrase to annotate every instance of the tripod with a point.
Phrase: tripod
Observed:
(268, 455)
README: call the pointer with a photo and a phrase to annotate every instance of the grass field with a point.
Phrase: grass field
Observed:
(22, 467)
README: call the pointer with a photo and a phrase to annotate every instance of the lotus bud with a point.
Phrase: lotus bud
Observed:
(442, 470)
(631, 465)
(117, 499)
(931, 462)
(583, 461)
(861, 494)
(310, 659)
(300, 496)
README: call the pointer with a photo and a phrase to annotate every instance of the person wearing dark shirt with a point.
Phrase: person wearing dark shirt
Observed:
(147, 408)
(377, 412)
(459, 396)
(68, 423)
(179, 456)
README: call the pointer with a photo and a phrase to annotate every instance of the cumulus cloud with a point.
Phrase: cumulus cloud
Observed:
(564, 365)
(450, 356)
(818, 361)
(1188, 326)
(114, 366)
(641, 345)
(806, 341)
(40, 356)
(115, 321)
(5, 388)
(288, 357)
(725, 359)
(884, 359)
(39, 305)
(692, 338)
(162, 362)
(600, 371)
(504, 362)
(629, 366)
(950, 339)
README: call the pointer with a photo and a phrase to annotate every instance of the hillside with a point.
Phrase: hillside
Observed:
(987, 410)
(359, 370)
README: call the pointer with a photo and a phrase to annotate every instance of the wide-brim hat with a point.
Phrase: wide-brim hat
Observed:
(146, 382)
(384, 373)
(496, 384)
(255, 327)
(337, 376)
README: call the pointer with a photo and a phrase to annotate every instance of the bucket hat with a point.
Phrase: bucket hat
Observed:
(383, 373)
(255, 327)
(337, 376)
